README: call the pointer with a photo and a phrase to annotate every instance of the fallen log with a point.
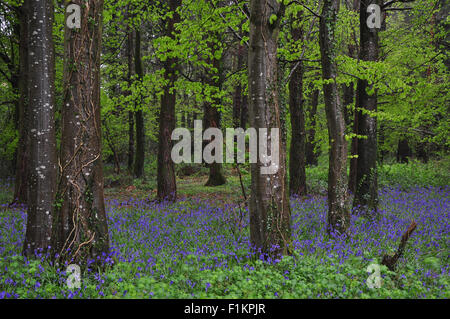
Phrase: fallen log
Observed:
(390, 261)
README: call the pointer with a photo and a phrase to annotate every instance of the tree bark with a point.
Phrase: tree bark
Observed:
(366, 188)
(167, 187)
(338, 208)
(42, 151)
(270, 230)
(80, 229)
(139, 114)
(297, 160)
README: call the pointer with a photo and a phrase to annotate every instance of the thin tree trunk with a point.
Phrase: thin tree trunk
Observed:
(352, 52)
(366, 188)
(297, 160)
(270, 230)
(139, 115)
(237, 97)
(167, 187)
(244, 111)
(338, 208)
(80, 228)
(311, 152)
(42, 159)
(21, 181)
(130, 113)
(110, 143)
(130, 141)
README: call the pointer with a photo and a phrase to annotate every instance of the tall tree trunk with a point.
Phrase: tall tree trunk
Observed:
(21, 181)
(167, 187)
(311, 152)
(354, 154)
(130, 141)
(353, 50)
(353, 147)
(139, 114)
(237, 97)
(338, 208)
(244, 111)
(297, 160)
(212, 119)
(130, 113)
(80, 228)
(270, 215)
(366, 191)
(42, 158)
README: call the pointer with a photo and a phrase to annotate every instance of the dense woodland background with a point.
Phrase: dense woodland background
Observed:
(87, 112)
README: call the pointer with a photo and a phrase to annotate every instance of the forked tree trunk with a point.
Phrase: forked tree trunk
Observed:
(42, 151)
(80, 228)
(270, 216)
(297, 159)
(167, 187)
(366, 188)
(338, 208)
(21, 181)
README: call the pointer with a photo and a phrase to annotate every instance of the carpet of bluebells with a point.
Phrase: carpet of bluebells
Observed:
(194, 249)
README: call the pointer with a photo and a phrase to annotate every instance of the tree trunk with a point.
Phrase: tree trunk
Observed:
(348, 95)
(338, 208)
(366, 189)
(212, 119)
(297, 160)
(403, 151)
(311, 152)
(139, 115)
(42, 151)
(270, 230)
(167, 187)
(130, 113)
(244, 111)
(80, 228)
(110, 143)
(237, 98)
(21, 181)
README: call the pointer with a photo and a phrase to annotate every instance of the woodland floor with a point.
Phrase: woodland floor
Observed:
(199, 247)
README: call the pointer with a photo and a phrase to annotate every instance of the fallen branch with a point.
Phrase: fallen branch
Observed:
(391, 260)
